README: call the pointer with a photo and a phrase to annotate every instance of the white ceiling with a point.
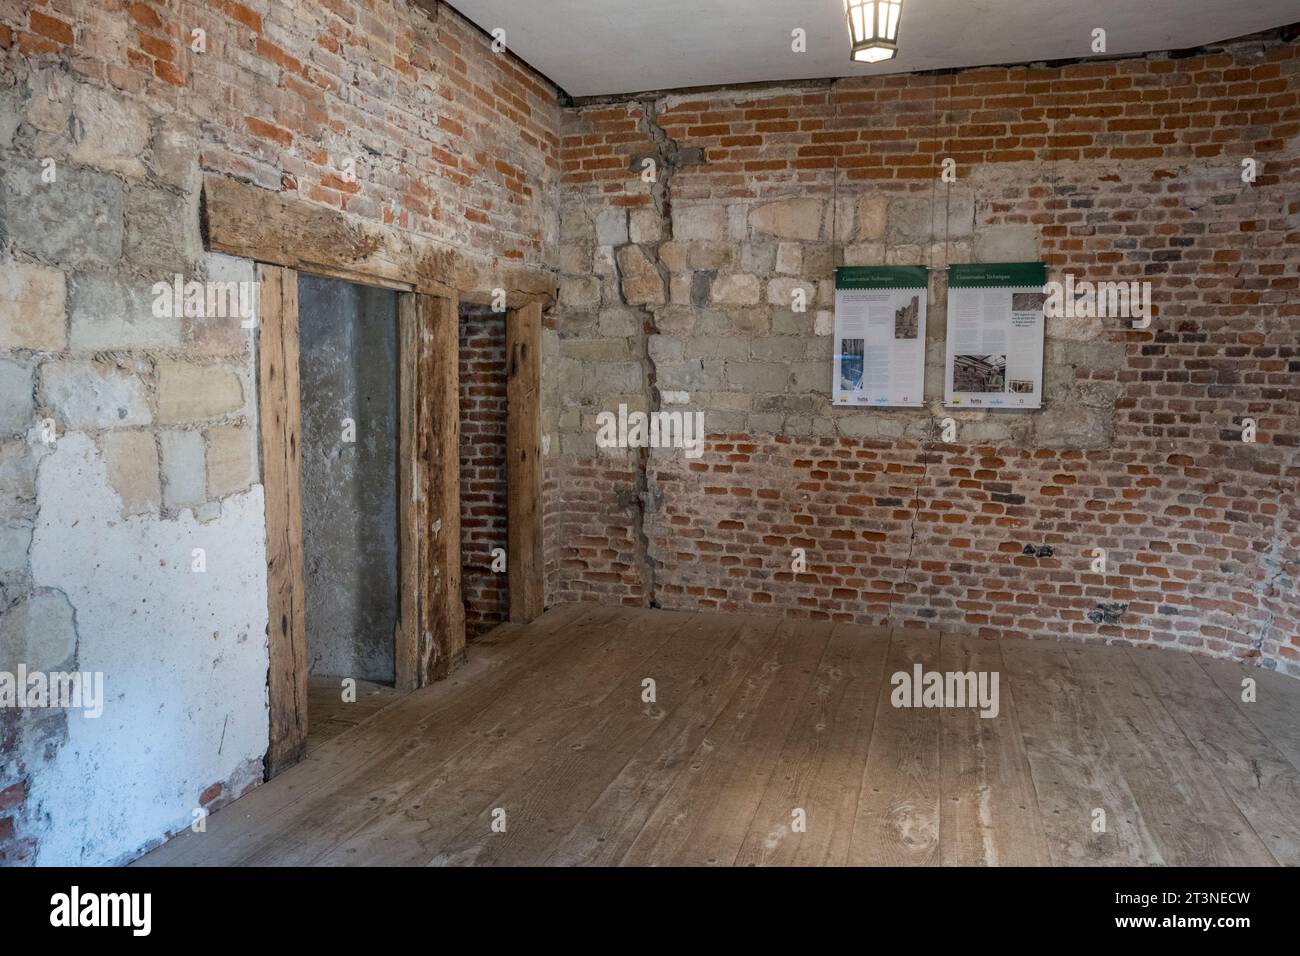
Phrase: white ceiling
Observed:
(594, 47)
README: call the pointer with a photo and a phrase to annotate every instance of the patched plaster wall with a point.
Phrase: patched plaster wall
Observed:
(183, 653)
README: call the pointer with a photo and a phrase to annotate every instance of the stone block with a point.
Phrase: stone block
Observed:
(676, 321)
(759, 376)
(681, 287)
(176, 153)
(32, 307)
(39, 632)
(789, 218)
(644, 290)
(673, 255)
(580, 292)
(93, 395)
(738, 289)
(17, 480)
(810, 376)
(911, 219)
(74, 221)
(665, 348)
(616, 377)
(576, 225)
(645, 225)
(865, 254)
(758, 257)
(781, 293)
(132, 462)
(711, 256)
(620, 323)
(10, 117)
(229, 460)
(750, 322)
(188, 393)
(183, 469)
(777, 348)
(575, 259)
(1071, 424)
(789, 258)
(1017, 243)
(17, 405)
(111, 131)
(108, 313)
(633, 261)
(700, 223)
(162, 229)
(683, 376)
(15, 540)
(873, 217)
(49, 99)
(224, 333)
(611, 227)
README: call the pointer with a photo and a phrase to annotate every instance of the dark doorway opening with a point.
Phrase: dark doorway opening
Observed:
(348, 374)
(484, 500)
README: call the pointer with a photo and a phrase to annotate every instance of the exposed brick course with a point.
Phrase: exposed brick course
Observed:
(1123, 170)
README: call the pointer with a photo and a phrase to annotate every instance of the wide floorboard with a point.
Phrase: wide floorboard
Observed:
(617, 736)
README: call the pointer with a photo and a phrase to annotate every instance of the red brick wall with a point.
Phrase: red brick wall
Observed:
(483, 502)
(1126, 170)
(449, 139)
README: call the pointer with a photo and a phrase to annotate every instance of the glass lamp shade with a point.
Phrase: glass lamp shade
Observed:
(873, 28)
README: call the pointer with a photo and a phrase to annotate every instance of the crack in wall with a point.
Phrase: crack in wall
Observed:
(927, 439)
(647, 498)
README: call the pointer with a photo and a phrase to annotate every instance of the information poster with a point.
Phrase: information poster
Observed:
(995, 335)
(880, 335)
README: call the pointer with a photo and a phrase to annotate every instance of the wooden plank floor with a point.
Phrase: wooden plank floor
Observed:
(328, 714)
(642, 737)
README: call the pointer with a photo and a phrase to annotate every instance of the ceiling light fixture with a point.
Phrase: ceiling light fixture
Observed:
(873, 28)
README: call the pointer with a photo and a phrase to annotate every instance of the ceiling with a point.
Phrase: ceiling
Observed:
(596, 47)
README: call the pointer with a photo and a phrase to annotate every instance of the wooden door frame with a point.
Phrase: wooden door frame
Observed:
(430, 631)
(283, 236)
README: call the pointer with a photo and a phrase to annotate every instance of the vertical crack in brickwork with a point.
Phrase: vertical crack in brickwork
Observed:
(647, 497)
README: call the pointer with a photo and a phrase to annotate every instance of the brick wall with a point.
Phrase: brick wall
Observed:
(375, 108)
(676, 294)
(483, 499)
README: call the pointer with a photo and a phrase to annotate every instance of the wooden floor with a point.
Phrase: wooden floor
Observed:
(755, 719)
(328, 714)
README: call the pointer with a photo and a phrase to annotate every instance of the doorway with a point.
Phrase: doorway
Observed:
(348, 386)
(484, 489)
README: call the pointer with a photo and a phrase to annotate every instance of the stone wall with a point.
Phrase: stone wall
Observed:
(677, 294)
(129, 440)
